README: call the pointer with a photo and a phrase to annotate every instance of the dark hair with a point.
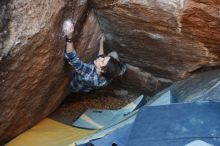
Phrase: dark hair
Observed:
(112, 68)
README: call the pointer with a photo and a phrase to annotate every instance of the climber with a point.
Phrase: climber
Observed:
(97, 74)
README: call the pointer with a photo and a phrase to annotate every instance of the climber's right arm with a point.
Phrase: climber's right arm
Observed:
(70, 53)
(69, 46)
(75, 62)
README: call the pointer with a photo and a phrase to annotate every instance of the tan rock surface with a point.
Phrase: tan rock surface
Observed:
(34, 75)
(168, 38)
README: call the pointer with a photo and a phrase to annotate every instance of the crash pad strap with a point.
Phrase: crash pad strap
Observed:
(49, 133)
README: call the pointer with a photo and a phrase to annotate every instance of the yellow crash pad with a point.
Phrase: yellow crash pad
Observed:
(50, 133)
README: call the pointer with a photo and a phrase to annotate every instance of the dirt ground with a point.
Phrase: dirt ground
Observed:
(76, 104)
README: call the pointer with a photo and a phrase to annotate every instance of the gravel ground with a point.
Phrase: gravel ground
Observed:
(76, 104)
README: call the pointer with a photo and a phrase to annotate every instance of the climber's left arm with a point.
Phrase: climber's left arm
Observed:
(101, 47)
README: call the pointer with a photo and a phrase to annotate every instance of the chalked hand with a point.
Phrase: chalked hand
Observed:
(68, 28)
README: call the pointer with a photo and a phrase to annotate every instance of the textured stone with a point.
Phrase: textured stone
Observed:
(87, 42)
(4, 16)
(143, 82)
(199, 87)
(165, 39)
(137, 82)
(34, 76)
(169, 39)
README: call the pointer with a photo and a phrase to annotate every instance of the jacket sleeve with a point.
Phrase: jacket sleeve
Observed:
(77, 64)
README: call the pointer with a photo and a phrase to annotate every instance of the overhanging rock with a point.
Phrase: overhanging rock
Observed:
(169, 39)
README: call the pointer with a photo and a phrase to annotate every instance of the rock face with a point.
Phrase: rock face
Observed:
(198, 87)
(204, 86)
(34, 75)
(169, 39)
(136, 81)
(4, 16)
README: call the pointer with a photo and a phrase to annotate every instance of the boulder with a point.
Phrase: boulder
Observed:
(34, 75)
(169, 39)
(136, 81)
(199, 87)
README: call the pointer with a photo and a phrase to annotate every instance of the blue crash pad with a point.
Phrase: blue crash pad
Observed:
(187, 124)
(117, 138)
(116, 133)
(165, 98)
(176, 124)
(120, 135)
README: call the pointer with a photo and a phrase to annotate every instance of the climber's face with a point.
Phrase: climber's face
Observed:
(101, 62)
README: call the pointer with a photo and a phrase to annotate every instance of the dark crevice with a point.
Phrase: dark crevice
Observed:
(204, 69)
(4, 21)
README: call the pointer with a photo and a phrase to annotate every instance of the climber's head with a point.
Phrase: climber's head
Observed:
(107, 66)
